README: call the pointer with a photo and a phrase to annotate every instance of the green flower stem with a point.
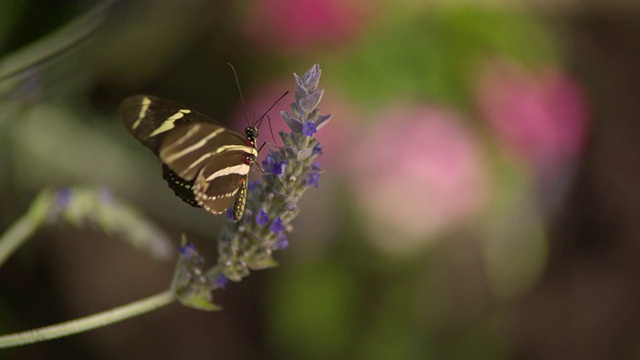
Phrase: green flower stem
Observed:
(88, 323)
(22, 229)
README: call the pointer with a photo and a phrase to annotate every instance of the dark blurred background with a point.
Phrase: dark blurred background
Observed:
(480, 196)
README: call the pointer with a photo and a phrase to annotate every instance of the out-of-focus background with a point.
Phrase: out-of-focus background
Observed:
(481, 192)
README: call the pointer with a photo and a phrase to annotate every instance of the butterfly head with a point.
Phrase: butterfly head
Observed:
(252, 134)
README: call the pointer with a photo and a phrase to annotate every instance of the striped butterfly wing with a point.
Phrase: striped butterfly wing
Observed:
(181, 187)
(205, 164)
(217, 159)
(150, 118)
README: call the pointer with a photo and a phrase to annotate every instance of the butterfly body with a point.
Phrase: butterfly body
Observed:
(204, 163)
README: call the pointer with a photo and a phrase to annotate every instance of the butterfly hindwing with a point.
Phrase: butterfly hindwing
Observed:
(181, 187)
(188, 148)
(220, 182)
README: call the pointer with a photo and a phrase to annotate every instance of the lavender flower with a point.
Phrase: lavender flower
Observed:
(190, 285)
(100, 208)
(249, 243)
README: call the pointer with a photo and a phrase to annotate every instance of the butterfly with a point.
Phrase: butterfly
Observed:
(204, 163)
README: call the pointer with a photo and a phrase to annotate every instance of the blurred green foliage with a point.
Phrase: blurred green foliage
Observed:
(313, 311)
(347, 303)
(435, 54)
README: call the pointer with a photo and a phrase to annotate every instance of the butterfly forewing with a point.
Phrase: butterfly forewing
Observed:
(204, 163)
(150, 118)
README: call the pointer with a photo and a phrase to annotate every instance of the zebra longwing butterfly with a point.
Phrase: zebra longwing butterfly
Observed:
(204, 163)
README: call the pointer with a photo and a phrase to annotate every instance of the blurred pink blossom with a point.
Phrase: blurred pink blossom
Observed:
(299, 24)
(541, 118)
(418, 172)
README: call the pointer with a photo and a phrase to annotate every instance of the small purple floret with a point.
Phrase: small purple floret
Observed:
(267, 162)
(220, 281)
(274, 167)
(317, 150)
(277, 225)
(63, 197)
(309, 128)
(262, 218)
(278, 168)
(282, 243)
(187, 251)
(254, 185)
(313, 178)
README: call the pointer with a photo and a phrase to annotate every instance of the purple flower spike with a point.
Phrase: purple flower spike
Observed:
(249, 244)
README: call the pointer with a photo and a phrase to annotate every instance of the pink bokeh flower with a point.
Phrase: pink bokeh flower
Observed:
(541, 118)
(418, 172)
(301, 24)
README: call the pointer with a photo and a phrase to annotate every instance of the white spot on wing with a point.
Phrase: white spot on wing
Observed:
(242, 169)
(193, 147)
(199, 161)
(143, 112)
(194, 129)
(245, 148)
(169, 123)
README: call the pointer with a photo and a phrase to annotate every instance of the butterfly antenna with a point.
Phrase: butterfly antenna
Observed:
(271, 128)
(244, 105)
(270, 108)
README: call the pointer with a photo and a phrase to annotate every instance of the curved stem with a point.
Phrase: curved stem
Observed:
(89, 322)
(22, 230)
